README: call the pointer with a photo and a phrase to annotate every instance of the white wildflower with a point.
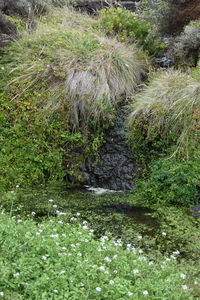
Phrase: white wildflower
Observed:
(184, 287)
(54, 235)
(176, 252)
(139, 237)
(145, 293)
(55, 291)
(85, 227)
(44, 257)
(164, 233)
(1, 294)
(16, 275)
(135, 271)
(182, 276)
(78, 214)
(60, 222)
(50, 200)
(98, 289)
(102, 268)
(55, 206)
(111, 282)
(62, 272)
(33, 213)
(107, 259)
(130, 294)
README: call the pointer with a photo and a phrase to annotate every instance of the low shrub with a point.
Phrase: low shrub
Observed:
(58, 260)
(171, 182)
(130, 27)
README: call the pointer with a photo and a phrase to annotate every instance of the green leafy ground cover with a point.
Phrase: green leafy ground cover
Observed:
(60, 259)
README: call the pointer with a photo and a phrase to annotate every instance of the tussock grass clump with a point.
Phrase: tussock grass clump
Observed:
(168, 110)
(96, 70)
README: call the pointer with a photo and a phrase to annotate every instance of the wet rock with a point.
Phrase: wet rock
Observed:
(196, 211)
(164, 62)
(116, 165)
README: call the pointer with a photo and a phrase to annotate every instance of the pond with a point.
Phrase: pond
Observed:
(158, 230)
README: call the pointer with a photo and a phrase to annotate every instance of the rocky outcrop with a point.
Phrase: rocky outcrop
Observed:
(179, 14)
(115, 168)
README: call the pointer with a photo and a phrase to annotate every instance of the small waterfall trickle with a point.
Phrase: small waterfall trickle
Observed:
(115, 168)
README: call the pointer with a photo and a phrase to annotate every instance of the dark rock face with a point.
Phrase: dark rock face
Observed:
(8, 31)
(179, 14)
(116, 165)
(92, 6)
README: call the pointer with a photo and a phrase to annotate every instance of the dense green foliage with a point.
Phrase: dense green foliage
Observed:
(130, 27)
(172, 182)
(59, 260)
